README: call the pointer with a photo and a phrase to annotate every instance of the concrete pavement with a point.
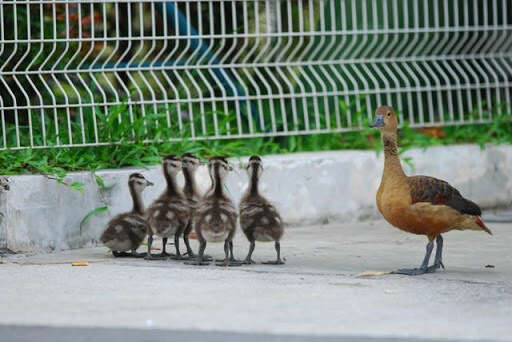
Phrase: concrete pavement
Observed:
(317, 293)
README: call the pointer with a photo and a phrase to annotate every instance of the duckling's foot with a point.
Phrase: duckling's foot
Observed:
(193, 256)
(435, 267)
(229, 263)
(155, 257)
(197, 262)
(121, 254)
(248, 262)
(138, 255)
(273, 262)
(177, 257)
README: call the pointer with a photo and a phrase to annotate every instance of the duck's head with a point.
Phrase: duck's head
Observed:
(254, 167)
(137, 182)
(190, 162)
(171, 165)
(220, 166)
(385, 119)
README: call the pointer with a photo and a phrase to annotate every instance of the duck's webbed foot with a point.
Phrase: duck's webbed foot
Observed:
(200, 259)
(248, 261)
(278, 261)
(197, 262)
(412, 271)
(228, 263)
(155, 257)
(134, 254)
(121, 254)
(193, 256)
(273, 262)
(424, 268)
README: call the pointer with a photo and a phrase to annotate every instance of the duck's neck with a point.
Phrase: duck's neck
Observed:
(253, 181)
(138, 204)
(218, 184)
(190, 188)
(392, 166)
(172, 187)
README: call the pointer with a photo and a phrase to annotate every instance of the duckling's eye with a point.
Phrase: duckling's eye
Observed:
(389, 113)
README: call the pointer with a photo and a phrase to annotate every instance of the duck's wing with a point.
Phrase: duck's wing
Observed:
(436, 191)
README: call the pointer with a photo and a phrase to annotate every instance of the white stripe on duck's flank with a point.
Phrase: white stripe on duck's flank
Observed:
(223, 217)
(170, 215)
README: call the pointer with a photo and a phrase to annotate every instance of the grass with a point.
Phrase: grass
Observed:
(56, 162)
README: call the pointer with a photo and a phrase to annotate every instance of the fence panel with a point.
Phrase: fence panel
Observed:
(80, 73)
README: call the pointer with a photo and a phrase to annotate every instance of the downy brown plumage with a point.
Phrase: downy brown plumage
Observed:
(190, 163)
(215, 217)
(419, 204)
(169, 214)
(259, 219)
(126, 231)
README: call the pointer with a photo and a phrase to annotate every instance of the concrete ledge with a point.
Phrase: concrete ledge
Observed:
(309, 188)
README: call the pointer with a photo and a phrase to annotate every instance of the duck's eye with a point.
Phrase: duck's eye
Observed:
(389, 113)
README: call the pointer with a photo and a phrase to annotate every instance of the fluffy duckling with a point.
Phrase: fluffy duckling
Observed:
(169, 214)
(215, 217)
(190, 163)
(126, 231)
(420, 204)
(259, 219)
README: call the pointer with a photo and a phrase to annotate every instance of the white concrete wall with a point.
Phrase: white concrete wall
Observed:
(38, 213)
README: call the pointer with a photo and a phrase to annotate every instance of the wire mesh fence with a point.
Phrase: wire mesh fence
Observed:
(80, 73)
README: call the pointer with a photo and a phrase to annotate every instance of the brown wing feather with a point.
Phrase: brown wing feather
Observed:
(436, 191)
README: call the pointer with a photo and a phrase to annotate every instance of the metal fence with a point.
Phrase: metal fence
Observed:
(80, 73)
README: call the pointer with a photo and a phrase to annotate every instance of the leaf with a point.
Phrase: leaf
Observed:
(90, 214)
(77, 186)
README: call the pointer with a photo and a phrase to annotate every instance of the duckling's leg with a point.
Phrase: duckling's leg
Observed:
(424, 266)
(200, 256)
(164, 254)
(177, 256)
(438, 261)
(248, 258)
(150, 256)
(231, 255)
(278, 261)
(228, 249)
(186, 233)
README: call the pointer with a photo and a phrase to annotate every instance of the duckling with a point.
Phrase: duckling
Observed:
(259, 219)
(215, 217)
(169, 214)
(420, 204)
(190, 163)
(126, 231)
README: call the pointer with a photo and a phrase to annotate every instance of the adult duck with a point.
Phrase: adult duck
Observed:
(419, 204)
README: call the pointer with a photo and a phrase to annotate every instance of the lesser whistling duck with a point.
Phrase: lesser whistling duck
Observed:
(215, 217)
(169, 214)
(259, 219)
(126, 231)
(419, 204)
(190, 163)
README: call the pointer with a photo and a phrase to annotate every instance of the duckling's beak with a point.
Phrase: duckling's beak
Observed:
(378, 122)
(148, 183)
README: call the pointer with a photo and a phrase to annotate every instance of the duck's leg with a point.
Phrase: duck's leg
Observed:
(248, 258)
(231, 255)
(186, 233)
(228, 250)
(424, 265)
(199, 261)
(190, 254)
(278, 261)
(150, 256)
(164, 254)
(177, 256)
(438, 261)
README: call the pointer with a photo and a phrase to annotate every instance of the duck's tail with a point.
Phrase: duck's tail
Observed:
(481, 224)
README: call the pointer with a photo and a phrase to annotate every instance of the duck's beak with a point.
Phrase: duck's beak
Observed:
(148, 183)
(378, 122)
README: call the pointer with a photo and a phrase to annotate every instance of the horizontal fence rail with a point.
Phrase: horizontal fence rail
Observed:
(84, 73)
